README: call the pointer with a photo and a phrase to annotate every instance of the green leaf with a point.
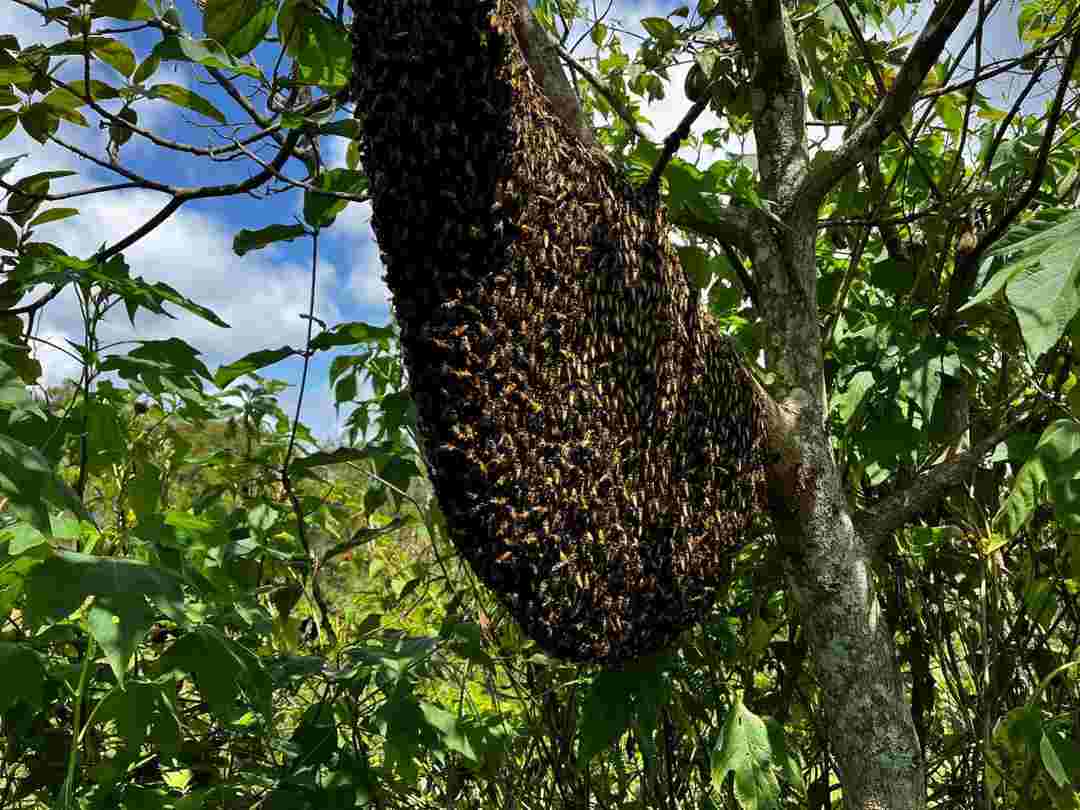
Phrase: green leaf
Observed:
(320, 210)
(246, 38)
(40, 121)
(831, 16)
(406, 731)
(106, 443)
(324, 458)
(787, 761)
(347, 334)
(222, 18)
(251, 362)
(152, 361)
(653, 692)
(32, 486)
(123, 9)
(172, 17)
(345, 127)
(688, 187)
(599, 34)
(352, 152)
(346, 389)
(9, 237)
(450, 730)
(724, 299)
(110, 51)
(204, 52)
(24, 203)
(315, 737)
(52, 215)
(606, 712)
(144, 491)
(921, 379)
(24, 676)
(246, 240)
(35, 427)
(1021, 729)
(1041, 601)
(75, 95)
(12, 71)
(118, 133)
(121, 613)
(223, 671)
(466, 639)
(1055, 465)
(39, 177)
(1041, 281)
(892, 276)
(695, 264)
(182, 97)
(114, 53)
(745, 749)
(146, 68)
(845, 403)
(952, 115)
(71, 116)
(321, 48)
(8, 120)
(140, 710)
(114, 277)
(239, 25)
(888, 433)
(1061, 757)
(659, 29)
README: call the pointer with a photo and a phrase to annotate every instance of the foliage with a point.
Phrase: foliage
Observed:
(204, 609)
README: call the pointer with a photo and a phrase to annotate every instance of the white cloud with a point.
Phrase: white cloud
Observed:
(366, 286)
(261, 295)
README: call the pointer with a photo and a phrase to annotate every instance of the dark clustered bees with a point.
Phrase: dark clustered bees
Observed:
(596, 446)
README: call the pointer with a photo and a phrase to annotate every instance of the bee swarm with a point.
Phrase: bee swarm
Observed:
(595, 445)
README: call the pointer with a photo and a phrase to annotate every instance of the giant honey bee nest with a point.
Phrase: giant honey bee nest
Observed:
(595, 446)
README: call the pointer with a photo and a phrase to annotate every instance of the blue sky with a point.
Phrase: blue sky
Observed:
(261, 294)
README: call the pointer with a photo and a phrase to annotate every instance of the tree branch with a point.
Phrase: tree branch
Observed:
(991, 70)
(879, 82)
(624, 114)
(741, 227)
(998, 229)
(747, 280)
(875, 524)
(674, 140)
(764, 34)
(891, 110)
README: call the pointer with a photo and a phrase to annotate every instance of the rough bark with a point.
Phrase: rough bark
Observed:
(829, 565)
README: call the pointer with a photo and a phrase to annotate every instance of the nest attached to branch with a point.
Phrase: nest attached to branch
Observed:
(596, 447)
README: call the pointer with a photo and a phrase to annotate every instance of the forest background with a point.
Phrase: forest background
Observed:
(349, 659)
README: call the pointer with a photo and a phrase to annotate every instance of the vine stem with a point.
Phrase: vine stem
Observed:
(67, 793)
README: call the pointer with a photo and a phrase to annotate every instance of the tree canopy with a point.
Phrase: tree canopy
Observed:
(205, 608)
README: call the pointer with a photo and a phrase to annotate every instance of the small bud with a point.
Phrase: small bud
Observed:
(967, 242)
